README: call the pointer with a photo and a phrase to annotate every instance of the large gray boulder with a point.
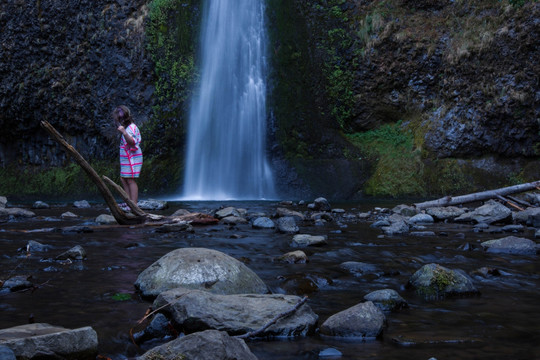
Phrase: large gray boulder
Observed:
(287, 225)
(523, 217)
(195, 310)
(46, 341)
(387, 300)
(199, 268)
(304, 240)
(283, 212)
(364, 320)
(510, 245)
(398, 225)
(3, 202)
(209, 344)
(489, 213)
(434, 281)
(445, 212)
(16, 212)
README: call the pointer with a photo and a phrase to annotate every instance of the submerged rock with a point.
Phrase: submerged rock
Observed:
(40, 205)
(199, 268)
(75, 253)
(387, 300)
(364, 320)
(293, 257)
(195, 310)
(209, 344)
(303, 240)
(39, 340)
(436, 281)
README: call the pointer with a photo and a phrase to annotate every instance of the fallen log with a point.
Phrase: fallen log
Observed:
(121, 217)
(479, 196)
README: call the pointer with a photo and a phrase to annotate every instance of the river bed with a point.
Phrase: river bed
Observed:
(501, 323)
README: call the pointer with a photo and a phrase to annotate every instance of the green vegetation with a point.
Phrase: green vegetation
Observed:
(121, 297)
(171, 34)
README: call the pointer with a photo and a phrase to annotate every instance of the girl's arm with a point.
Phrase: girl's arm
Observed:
(129, 139)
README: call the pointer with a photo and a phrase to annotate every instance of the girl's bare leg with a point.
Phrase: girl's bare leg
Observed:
(133, 190)
(125, 186)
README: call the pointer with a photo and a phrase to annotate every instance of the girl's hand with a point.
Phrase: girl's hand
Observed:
(121, 129)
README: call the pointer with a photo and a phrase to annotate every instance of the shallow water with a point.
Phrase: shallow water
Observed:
(501, 323)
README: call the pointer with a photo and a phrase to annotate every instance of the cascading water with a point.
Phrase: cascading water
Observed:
(227, 125)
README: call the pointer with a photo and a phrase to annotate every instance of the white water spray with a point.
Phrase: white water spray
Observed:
(227, 126)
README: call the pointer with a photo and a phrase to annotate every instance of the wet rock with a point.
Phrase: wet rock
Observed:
(283, 212)
(330, 353)
(46, 341)
(75, 253)
(405, 210)
(338, 211)
(6, 353)
(225, 212)
(303, 240)
(3, 202)
(287, 225)
(263, 223)
(199, 268)
(233, 220)
(364, 320)
(322, 216)
(68, 215)
(522, 217)
(304, 284)
(398, 225)
(510, 245)
(534, 220)
(152, 204)
(209, 344)
(358, 268)
(445, 212)
(513, 228)
(40, 205)
(178, 226)
(489, 213)
(421, 219)
(157, 329)
(380, 223)
(106, 219)
(16, 212)
(387, 300)
(422, 233)
(82, 204)
(17, 283)
(195, 310)
(293, 257)
(35, 246)
(434, 281)
(537, 234)
(486, 272)
(320, 204)
(76, 229)
(180, 212)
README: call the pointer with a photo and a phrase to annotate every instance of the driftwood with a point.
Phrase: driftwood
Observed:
(121, 217)
(479, 196)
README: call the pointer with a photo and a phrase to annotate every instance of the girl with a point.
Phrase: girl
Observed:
(131, 157)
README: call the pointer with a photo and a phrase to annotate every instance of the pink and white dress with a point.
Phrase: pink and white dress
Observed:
(131, 157)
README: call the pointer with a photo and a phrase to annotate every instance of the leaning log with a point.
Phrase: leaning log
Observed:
(121, 217)
(479, 196)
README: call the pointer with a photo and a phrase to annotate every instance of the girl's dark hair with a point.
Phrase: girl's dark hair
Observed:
(122, 115)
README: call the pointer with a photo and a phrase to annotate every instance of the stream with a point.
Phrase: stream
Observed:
(501, 323)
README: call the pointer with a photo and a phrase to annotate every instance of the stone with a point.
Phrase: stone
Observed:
(510, 245)
(398, 225)
(35, 246)
(434, 281)
(293, 257)
(209, 344)
(82, 204)
(6, 353)
(387, 300)
(106, 219)
(233, 220)
(180, 212)
(157, 329)
(363, 320)
(68, 215)
(44, 340)
(489, 213)
(303, 240)
(199, 268)
(75, 253)
(421, 219)
(405, 210)
(522, 217)
(445, 212)
(284, 212)
(178, 226)
(287, 225)
(263, 223)
(228, 211)
(40, 205)
(196, 310)
(3, 202)
(152, 204)
(16, 212)
(18, 282)
(358, 268)
(321, 204)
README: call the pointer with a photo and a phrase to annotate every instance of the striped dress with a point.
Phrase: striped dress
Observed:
(131, 158)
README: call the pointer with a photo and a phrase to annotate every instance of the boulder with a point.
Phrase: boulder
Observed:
(177, 226)
(421, 219)
(233, 220)
(152, 204)
(180, 212)
(303, 240)
(522, 217)
(287, 225)
(387, 300)
(35, 246)
(16, 212)
(40, 205)
(106, 219)
(489, 213)
(157, 329)
(68, 215)
(263, 223)
(75, 253)
(364, 320)
(398, 225)
(17, 282)
(209, 344)
(46, 341)
(226, 212)
(445, 212)
(405, 210)
(510, 245)
(434, 281)
(6, 353)
(3, 202)
(293, 257)
(82, 204)
(321, 204)
(283, 212)
(195, 310)
(199, 268)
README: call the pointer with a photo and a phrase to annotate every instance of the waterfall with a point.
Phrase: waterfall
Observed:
(226, 145)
